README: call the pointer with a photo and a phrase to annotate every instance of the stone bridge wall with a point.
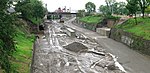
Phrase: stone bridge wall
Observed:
(134, 42)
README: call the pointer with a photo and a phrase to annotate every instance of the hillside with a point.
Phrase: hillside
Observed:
(94, 19)
(142, 29)
(23, 54)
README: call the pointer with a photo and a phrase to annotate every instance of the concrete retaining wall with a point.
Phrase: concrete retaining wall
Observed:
(134, 42)
(103, 31)
(70, 32)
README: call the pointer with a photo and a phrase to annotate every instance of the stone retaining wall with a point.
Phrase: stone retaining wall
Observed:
(105, 23)
(103, 31)
(33, 54)
(85, 25)
(134, 42)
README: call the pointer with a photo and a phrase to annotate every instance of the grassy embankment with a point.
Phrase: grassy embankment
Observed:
(142, 29)
(35, 21)
(23, 54)
(93, 19)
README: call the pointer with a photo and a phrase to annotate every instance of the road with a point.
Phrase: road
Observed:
(132, 61)
(54, 54)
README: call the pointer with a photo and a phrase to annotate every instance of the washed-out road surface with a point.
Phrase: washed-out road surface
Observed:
(56, 52)
(132, 61)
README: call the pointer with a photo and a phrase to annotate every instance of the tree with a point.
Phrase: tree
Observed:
(132, 6)
(31, 9)
(25, 7)
(81, 13)
(7, 33)
(120, 8)
(90, 7)
(38, 9)
(143, 5)
(104, 10)
(110, 5)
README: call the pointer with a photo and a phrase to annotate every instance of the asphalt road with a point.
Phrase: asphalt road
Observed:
(132, 61)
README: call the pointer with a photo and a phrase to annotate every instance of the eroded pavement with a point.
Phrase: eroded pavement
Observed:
(56, 52)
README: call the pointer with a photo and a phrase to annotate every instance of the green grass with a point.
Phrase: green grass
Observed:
(112, 17)
(91, 19)
(23, 54)
(142, 29)
(36, 21)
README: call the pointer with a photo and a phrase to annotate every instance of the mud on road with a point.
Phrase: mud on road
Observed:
(56, 52)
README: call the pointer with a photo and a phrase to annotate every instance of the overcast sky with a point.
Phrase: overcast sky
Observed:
(52, 5)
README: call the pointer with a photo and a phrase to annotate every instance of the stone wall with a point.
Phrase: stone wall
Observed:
(134, 42)
(85, 25)
(103, 31)
(35, 45)
(105, 23)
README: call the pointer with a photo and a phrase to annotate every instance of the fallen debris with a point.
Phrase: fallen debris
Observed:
(76, 47)
(98, 53)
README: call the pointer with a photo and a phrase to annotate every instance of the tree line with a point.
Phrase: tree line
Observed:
(132, 7)
(26, 9)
